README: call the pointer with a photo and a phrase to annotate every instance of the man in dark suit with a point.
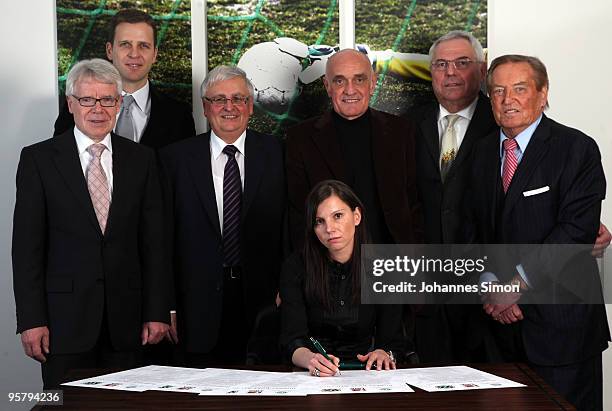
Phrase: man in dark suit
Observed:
(87, 251)
(226, 198)
(454, 332)
(147, 116)
(540, 182)
(371, 151)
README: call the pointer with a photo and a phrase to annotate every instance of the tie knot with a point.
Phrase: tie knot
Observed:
(96, 149)
(510, 144)
(452, 119)
(230, 150)
(128, 100)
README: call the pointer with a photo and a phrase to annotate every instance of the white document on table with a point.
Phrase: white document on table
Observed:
(455, 378)
(356, 382)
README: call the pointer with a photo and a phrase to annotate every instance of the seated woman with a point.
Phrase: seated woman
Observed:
(320, 291)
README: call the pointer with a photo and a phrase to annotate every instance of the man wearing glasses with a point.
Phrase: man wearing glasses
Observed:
(147, 115)
(226, 199)
(88, 269)
(447, 131)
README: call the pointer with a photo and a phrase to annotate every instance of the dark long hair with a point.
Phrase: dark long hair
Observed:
(316, 255)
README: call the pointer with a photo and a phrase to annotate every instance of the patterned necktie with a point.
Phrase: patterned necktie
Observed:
(125, 124)
(448, 149)
(232, 202)
(97, 184)
(510, 162)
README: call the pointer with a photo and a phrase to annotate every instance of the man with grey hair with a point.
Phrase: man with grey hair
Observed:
(536, 181)
(88, 259)
(447, 131)
(226, 199)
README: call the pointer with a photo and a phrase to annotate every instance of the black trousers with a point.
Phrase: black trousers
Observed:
(580, 383)
(234, 332)
(102, 355)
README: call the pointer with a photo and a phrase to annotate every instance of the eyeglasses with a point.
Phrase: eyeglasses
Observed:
(222, 101)
(91, 101)
(459, 64)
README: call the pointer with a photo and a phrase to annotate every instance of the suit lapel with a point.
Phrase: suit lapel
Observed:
(154, 123)
(122, 175)
(536, 149)
(69, 166)
(429, 130)
(254, 163)
(201, 175)
(491, 177)
(479, 126)
(326, 140)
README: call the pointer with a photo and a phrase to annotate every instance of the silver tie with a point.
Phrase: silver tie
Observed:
(125, 124)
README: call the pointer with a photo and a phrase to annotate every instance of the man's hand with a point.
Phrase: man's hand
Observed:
(172, 334)
(35, 342)
(153, 332)
(510, 315)
(602, 242)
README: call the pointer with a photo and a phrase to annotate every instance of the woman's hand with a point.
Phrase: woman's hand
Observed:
(316, 363)
(319, 366)
(382, 359)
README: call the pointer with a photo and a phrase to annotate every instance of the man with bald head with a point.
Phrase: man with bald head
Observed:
(373, 152)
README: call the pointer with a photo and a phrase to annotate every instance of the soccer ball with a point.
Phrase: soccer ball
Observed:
(274, 68)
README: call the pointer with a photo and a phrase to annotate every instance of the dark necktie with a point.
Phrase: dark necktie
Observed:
(232, 202)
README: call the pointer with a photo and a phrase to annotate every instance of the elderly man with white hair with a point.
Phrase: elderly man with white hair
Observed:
(90, 288)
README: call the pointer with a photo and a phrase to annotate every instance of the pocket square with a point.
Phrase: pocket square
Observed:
(536, 191)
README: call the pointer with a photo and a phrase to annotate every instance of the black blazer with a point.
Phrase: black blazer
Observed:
(169, 121)
(197, 243)
(314, 154)
(65, 272)
(569, 163)
(443, 202)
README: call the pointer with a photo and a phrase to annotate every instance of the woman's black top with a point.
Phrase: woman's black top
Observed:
(346, 330)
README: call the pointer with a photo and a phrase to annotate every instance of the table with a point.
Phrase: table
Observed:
(536, 396)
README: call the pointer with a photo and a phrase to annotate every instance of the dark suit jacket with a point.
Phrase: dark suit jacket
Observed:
(443, 202)
(314, 154)
(169, 121)
(197, 242)
(569, 163)
(65, 272)
(444, 216)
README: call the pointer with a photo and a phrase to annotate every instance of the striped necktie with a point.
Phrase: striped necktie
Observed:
(232, 203)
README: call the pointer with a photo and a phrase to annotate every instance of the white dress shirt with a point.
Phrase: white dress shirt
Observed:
(83, 142)
(141, 110)
(218, 160)
(461, 125)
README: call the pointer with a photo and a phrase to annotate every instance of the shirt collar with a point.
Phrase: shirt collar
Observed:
(83, 142)
(217, 144)
(467, 112)
(141, 96)
(522, 139)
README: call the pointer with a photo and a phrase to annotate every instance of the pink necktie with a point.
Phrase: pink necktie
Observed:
(98, 185)
(510, 162)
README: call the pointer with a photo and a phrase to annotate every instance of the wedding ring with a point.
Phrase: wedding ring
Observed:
(317, 373)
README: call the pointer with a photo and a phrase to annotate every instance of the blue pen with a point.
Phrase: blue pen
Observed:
(322, 351)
